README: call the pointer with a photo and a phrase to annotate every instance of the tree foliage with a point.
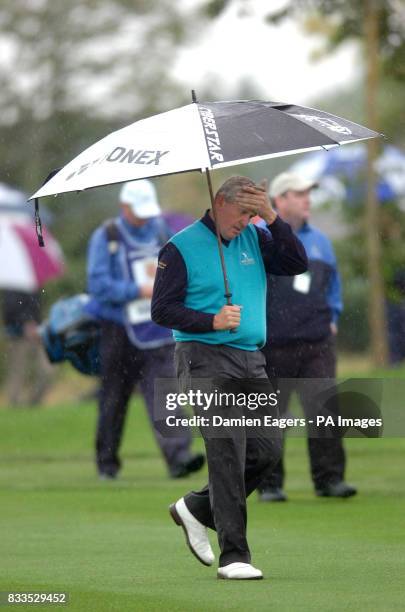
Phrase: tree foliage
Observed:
(74, 55)
(71, 72)
(342, 20)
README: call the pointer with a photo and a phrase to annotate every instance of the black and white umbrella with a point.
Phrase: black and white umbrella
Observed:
(203, 136)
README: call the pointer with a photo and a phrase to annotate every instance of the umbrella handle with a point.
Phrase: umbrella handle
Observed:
(228, 296)
(38, 224)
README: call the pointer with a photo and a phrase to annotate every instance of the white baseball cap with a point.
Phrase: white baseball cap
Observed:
(141, 197)
(287, 181)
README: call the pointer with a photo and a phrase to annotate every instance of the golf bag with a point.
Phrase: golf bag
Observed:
(72, 334)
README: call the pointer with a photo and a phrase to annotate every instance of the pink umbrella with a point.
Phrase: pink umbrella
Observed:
(24, 267)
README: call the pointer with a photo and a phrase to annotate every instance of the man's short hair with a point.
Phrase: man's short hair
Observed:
(232, 186)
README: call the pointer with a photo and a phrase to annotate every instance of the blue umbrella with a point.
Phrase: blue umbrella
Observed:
(341, 173)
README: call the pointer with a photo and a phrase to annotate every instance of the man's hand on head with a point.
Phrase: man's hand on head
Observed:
(256, 199)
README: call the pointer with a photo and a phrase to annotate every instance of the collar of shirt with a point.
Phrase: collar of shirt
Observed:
(304, 229)
(144, 233)
(209, 222)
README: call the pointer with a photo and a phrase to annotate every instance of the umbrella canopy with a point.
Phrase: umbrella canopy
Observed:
(203, 136)
(24, 267)
(340, 173)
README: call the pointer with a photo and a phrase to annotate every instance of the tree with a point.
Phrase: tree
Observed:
(83, 61)
(71, 72)
(380, 26)
(377, 318)
(338, 21)
(65, 55)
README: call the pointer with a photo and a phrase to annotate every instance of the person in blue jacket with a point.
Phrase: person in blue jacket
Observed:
(122, 261)
(302, 323)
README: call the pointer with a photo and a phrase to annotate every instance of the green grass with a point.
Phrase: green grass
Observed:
(112, 545)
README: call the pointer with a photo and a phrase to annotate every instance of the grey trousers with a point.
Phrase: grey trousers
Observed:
(237, 459)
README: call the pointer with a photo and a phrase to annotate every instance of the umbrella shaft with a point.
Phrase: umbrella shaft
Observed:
(228, 293)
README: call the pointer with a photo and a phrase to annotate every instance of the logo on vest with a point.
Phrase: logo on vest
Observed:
(246, 260)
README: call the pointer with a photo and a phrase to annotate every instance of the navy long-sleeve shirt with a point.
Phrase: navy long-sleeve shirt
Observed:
(304, 312)
(282, 252)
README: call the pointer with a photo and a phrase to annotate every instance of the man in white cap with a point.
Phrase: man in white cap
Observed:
(121, 269)
(302, 317)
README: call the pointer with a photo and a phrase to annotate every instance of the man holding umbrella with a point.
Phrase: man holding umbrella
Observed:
(188, 297)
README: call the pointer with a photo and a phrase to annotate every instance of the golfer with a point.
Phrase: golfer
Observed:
(188, 297)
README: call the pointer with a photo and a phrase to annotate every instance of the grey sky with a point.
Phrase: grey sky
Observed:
(277, 58)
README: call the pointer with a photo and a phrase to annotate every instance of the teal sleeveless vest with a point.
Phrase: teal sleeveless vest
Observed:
(205, 286)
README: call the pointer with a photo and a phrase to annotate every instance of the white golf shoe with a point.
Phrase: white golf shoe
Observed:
(195, 532)
(239, 571)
